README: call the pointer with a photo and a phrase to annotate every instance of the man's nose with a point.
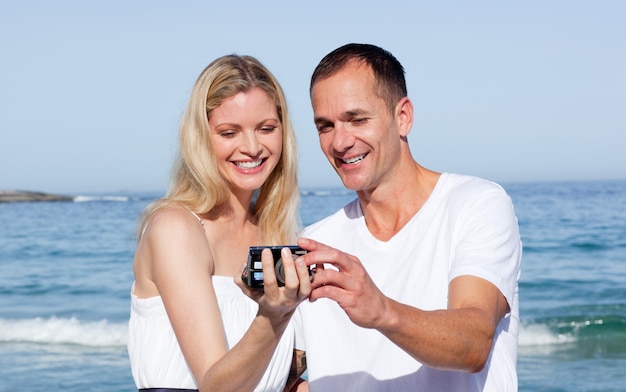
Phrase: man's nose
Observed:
(343, 138)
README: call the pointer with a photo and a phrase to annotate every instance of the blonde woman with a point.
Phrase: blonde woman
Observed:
(234, 186)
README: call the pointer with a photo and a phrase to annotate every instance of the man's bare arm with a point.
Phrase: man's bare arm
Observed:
(298, 366)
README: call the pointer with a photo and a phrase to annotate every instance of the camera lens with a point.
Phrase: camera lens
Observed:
(280, 271)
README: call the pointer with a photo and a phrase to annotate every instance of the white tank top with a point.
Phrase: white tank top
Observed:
(156, 358)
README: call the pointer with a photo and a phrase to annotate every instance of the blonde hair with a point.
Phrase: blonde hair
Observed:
(196, 181)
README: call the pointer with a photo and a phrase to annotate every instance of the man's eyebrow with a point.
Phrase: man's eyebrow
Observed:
(321, 120)
(350, 114)
(345, 116)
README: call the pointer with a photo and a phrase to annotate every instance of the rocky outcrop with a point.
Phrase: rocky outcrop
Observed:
(7, 196)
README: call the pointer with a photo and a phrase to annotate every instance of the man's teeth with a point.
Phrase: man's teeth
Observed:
(249, 164)
(354, 159)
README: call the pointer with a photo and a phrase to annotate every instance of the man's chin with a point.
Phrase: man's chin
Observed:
(352, 183)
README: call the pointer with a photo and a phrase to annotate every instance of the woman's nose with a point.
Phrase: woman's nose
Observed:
(250, 144)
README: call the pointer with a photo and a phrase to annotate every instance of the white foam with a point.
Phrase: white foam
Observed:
(326, 192)
(82, 199)
(541, 335)
(64, 331)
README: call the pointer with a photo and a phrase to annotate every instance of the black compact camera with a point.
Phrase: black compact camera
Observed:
(253, 273)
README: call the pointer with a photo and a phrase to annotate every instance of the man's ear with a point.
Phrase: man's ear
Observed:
(404, 116)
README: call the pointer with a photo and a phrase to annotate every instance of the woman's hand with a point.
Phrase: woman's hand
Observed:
(274, 301)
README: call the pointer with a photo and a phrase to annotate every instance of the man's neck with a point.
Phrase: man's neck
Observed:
(388, 207)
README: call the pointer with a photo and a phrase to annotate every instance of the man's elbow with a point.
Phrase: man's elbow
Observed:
(477, 360)
(477, 367)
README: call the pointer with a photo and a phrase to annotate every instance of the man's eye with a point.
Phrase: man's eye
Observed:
(321, 128)
(358, 121)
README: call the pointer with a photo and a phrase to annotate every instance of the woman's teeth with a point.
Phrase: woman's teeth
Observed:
(249, 164)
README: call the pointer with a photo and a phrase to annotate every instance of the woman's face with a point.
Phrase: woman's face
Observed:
(247, 137)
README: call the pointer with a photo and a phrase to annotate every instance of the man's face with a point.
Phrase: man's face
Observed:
(358, 133)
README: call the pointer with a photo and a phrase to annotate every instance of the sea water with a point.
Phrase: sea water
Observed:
(66, 273)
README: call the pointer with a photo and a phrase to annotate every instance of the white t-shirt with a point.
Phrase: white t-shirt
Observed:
(466, 227)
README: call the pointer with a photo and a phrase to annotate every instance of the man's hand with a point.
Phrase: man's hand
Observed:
(348, 284)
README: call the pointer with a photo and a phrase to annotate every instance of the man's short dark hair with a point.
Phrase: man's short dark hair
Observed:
(388, 71)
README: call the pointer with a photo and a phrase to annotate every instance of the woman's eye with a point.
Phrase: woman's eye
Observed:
(227, 134)
(268, 128)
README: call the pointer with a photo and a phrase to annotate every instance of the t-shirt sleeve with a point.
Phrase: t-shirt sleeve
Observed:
(487, 241)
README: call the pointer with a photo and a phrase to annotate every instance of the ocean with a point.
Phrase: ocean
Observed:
(66, 273)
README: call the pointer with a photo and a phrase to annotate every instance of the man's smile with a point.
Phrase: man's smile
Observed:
(354, 159)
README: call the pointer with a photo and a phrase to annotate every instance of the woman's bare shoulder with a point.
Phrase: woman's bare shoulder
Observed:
(173, 219)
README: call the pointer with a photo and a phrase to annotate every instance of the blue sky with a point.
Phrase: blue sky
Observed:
(91, 92)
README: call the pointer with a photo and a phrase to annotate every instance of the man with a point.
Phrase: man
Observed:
(417, 279)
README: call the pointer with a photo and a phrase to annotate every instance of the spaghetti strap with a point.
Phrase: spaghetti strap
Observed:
(197, 217)
(145, 226)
